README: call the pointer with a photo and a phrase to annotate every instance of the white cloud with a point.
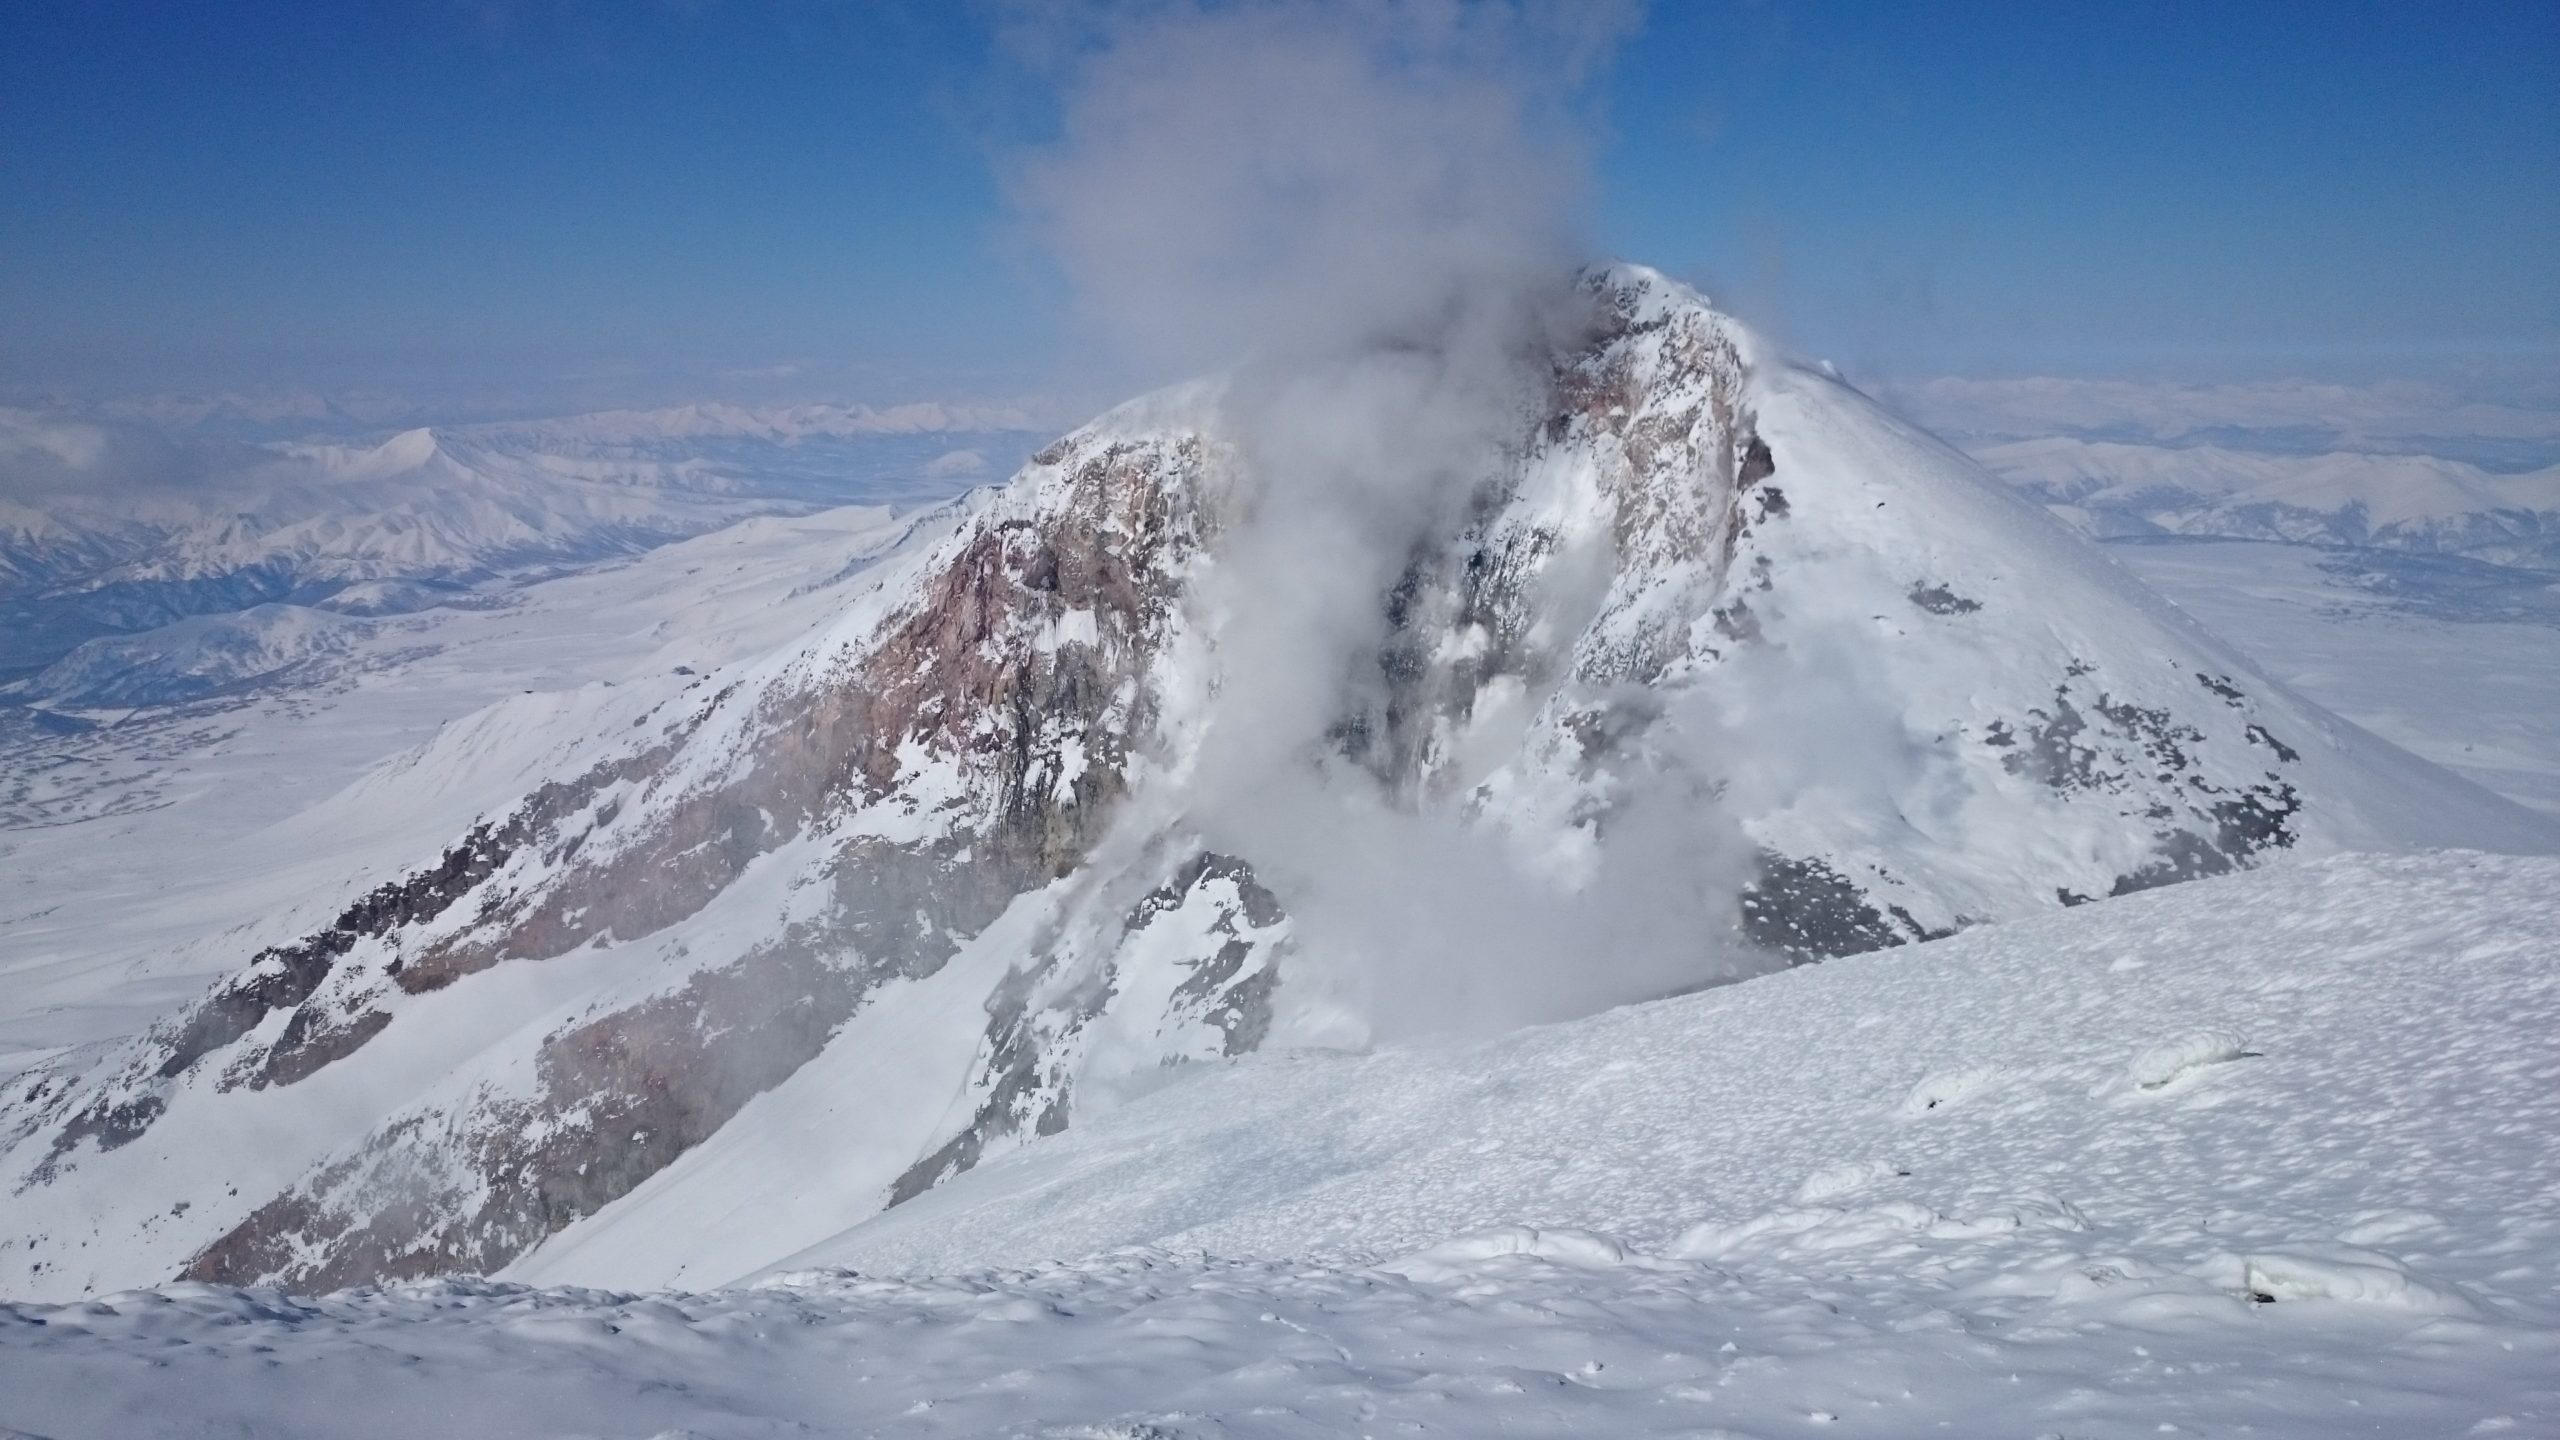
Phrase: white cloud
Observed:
(1371, 212)
(955, 465)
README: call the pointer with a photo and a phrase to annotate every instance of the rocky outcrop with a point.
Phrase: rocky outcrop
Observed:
(1202, 952)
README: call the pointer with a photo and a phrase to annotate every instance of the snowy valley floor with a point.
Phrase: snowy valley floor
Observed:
(2270, 1156)
(2458, 662)
(143, 857)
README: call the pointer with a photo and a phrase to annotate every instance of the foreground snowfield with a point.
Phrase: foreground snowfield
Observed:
(2266, 1155)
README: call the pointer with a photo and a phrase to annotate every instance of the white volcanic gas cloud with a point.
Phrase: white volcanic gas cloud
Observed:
(58, 461)
(1316, 178)
(1366, 214)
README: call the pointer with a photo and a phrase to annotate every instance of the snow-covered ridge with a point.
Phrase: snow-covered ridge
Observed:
(420, 503)
(936, 853)
(111, 530)
(148, 850)
(188, 659)
(2405, 502)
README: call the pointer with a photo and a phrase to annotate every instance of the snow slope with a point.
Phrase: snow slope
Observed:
(2248, 1062)
(2262, 1156)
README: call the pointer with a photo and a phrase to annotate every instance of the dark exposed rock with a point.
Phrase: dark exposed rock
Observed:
(1020, 1097)
(2211, 831)
(931, 681)
(1939, 600)
(1261, 908)
(1467, 607)
(2259, 734)
(1806, 910)
(286, 976)
(2243, 826)
(305, 1047)
(1389, 730)
(1240, 1010)
(1757, 463)
(1221, 989)
(2181, 855)
(111, 1122)
(2255, 820)
(2053, 753)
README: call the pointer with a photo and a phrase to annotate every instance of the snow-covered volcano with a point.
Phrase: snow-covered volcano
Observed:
(841, 923)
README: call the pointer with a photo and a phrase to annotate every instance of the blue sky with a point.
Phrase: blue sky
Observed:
(648, 196)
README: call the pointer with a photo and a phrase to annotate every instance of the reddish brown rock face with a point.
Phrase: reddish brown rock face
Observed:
(618, 1099)
(1013, 687)
(950, 678)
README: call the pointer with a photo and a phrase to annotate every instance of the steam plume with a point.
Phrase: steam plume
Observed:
(1367, 215)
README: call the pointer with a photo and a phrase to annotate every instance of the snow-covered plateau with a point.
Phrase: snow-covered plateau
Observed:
(1760, 930)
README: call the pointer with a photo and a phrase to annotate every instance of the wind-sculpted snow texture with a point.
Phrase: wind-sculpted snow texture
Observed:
(836, 926)
(2266, 1156)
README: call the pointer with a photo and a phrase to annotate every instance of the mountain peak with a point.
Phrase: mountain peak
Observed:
(405, 451)
(1648, 293)
(398, 457)
(1711, 634)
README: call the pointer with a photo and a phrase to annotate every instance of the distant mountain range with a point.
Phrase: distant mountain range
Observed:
(107, 530)
(2395, 502)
